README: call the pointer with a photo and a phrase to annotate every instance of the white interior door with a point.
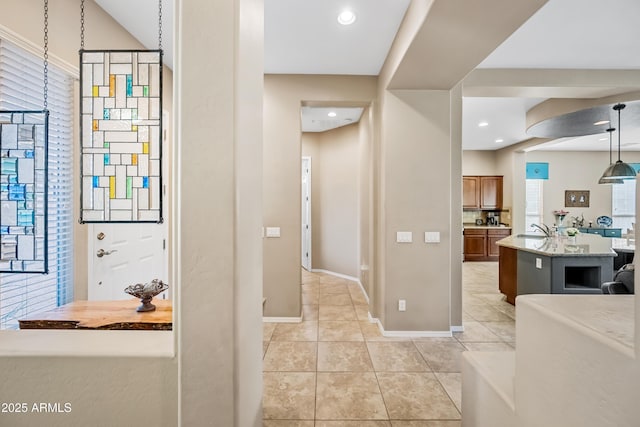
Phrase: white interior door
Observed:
(306, 213)
(125, 254)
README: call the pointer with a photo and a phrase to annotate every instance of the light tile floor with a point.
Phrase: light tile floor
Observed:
(335, 369)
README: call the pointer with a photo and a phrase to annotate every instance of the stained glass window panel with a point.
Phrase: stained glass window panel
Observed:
(121, 128)
(23, 191)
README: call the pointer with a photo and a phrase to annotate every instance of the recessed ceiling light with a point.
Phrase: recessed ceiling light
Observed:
(347, 17)
(332, 114)
(603, 139)
(601, 122)
(499, 140)
(483, 124)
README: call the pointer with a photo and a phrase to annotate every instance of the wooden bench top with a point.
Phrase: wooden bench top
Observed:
(119, 314)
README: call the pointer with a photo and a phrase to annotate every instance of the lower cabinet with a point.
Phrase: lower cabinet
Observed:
(480, 243)
(604, 232)
(508, 273)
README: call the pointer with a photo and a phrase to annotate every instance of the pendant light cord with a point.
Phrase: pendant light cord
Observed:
(46, 55)
(619, 107)
(610, 130)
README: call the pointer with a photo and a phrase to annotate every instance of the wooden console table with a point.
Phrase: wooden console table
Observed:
(119, 314)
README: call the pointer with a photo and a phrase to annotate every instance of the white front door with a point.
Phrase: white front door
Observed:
(125, 254)
(306, 213)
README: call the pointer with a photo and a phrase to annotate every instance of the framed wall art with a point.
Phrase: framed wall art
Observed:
(576, 198)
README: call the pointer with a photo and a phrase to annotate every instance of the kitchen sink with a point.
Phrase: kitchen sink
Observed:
(532, 236)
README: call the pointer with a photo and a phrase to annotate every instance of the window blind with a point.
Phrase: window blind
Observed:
(21, 88)
(623, 204)
(533, 198)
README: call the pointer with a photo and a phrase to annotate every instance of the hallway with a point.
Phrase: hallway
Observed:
(336, 369)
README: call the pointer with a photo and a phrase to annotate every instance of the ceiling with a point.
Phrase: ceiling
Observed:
(320, 119)
(303, 36)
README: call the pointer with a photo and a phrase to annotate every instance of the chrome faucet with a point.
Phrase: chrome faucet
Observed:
(544, 228)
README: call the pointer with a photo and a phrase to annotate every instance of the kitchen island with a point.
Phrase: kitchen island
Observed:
(534, 264)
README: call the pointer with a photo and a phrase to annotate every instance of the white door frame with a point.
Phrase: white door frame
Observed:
(305, 236)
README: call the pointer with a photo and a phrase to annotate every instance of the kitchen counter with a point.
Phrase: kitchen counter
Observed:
(485, 227)
(586, 245)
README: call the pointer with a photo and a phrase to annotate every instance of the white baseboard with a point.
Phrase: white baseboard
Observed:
(282, 319)
(409, 334)
(344, 276)
(457, 329)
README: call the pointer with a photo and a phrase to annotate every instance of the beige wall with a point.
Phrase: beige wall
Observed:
(570, 170)
(417, 181)
(418, 144)
(479, 162)
(283, 97)
(334, 199)
(219, 237)
(149, 382)
(365, 201)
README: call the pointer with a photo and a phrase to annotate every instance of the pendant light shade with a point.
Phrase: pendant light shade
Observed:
(620, 169)
(602, 179)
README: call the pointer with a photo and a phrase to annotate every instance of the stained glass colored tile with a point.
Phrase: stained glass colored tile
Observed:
(121, 128)
(23, 191)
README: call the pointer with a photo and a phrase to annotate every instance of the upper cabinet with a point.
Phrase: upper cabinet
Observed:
(470, 192)
(482, 192)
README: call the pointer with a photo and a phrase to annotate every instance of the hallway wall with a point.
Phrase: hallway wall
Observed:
(334, 198)
(283, 97)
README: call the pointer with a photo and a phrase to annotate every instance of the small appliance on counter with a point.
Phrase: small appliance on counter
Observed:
(493, 218)
(479, 221)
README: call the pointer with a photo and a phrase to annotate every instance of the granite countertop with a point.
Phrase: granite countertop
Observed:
(585, 245)
(484, 227)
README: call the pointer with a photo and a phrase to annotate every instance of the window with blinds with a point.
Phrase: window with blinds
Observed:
(623, 204)
(21, 88)
(533, 197)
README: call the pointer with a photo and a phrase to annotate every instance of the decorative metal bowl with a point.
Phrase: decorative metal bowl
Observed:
(146, 292)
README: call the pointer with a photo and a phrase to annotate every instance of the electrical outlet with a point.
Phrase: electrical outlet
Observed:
(402, 305)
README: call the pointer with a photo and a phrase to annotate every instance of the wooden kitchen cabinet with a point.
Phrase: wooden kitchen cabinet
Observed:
(491, 192)
(493, 235)
(470, 192)
(508, 273)
(475, 244)
(482, 192)
(480, 243)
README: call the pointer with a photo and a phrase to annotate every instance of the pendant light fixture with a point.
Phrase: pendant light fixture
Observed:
(619, 169)
(603, 180)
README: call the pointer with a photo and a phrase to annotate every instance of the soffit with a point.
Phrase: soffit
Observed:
(453, 40)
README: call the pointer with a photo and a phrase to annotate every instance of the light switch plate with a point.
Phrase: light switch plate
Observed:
(432, 237)
(273, 231)
(404, 237)
(539, 263)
